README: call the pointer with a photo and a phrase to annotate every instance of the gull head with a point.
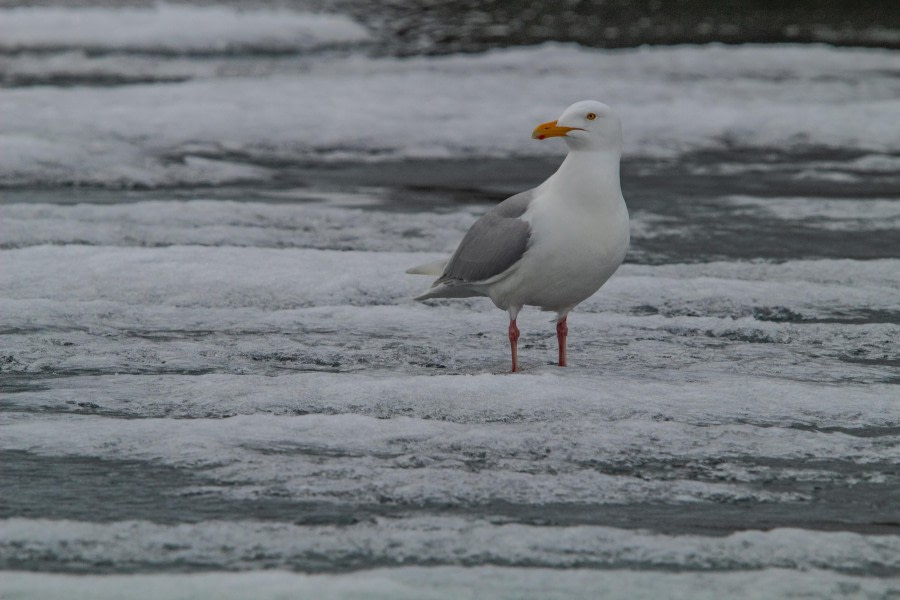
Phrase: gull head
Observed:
(587, 125)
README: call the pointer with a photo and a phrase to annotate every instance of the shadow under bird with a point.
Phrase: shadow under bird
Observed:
(552, 246)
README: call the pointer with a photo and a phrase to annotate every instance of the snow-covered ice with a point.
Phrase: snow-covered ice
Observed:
(215, 382)
(450, 540)
(709, 383)
(171, 28)
(438, 583)
(236, 128)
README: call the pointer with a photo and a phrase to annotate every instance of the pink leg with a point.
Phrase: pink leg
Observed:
(514, 344)
(561, 332)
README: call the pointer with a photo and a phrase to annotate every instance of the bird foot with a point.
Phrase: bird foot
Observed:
(562, 330)
(514, 344)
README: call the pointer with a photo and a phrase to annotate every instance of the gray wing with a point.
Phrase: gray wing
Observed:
(493, 244)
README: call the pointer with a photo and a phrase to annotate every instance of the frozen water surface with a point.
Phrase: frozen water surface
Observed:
(257, 373)
(233, 127)
(438, 583)
(171, 29)
(210, 360)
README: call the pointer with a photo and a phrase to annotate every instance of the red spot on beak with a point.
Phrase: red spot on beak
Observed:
(549, 130)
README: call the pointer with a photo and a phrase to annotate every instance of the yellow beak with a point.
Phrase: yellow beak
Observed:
(551, 129)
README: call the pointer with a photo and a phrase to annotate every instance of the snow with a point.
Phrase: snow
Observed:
(418, 460)
(673, 360)
(841, 214)
(672, 100)
(302, 218)
(283, 279)
(438, 583)
(480, 398)
(237, 375)
(417, 540)
(172, 28)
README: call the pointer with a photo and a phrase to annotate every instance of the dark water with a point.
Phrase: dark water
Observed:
(474, 26)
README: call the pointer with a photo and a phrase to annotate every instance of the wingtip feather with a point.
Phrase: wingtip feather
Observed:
(433, 268)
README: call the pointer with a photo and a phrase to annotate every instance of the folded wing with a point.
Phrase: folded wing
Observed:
(496, 242)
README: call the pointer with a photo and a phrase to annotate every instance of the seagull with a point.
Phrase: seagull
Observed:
(552, 246)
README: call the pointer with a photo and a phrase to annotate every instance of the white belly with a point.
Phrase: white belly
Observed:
(573, 251)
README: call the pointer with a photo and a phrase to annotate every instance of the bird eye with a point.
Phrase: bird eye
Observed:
(590, 116)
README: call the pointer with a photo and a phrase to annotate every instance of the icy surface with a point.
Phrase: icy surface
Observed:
(222, 388)
(445, 540)
(171, 28)
(346, 222)
(690, 383)
(830, 214)
(437, 583)
(235, 122)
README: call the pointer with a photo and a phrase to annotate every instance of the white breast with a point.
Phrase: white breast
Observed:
(579, 237)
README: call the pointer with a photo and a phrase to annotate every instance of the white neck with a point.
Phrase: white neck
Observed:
(590, 176)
